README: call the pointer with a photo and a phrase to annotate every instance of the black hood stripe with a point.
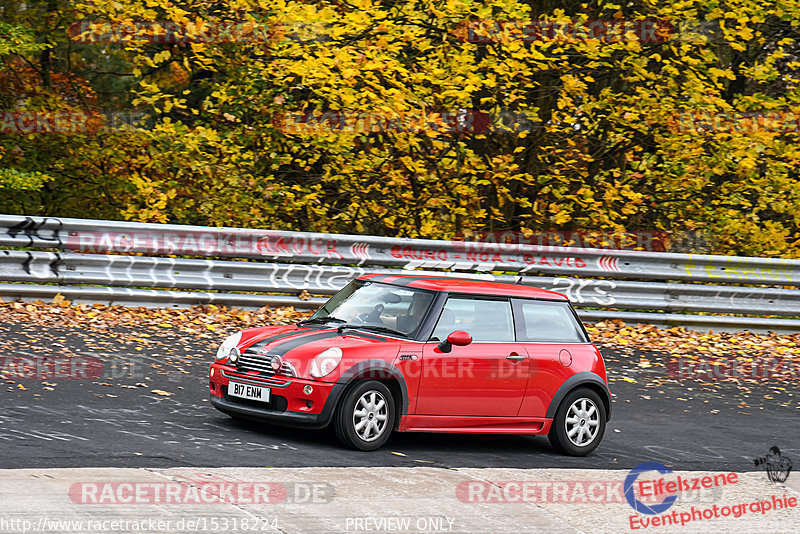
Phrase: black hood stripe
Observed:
(307, 337)
(286, 346)
(302, 336)
(267, 340)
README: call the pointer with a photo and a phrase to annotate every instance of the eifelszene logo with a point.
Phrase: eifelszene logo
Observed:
(630, 494)
(775, 464)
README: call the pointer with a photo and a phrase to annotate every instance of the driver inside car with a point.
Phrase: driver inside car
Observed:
(416, 311)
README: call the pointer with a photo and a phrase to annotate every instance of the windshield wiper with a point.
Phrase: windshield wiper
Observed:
(322, 320)
(373, 327)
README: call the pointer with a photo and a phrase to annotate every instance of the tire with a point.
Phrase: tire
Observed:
(365, 417)
(579, 423)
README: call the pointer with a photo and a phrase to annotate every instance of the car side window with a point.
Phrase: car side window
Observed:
(548, 322)
(486, 320)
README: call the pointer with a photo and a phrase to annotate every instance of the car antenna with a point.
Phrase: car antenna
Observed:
(519, 279)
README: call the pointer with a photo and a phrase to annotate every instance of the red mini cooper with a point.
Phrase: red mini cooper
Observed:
(423, 354)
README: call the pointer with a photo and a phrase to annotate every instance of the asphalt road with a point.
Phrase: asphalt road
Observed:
(149, 408)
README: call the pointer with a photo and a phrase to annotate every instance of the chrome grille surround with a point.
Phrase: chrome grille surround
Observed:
(251, 360)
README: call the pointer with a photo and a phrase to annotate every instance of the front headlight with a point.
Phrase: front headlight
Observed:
(325, 362)
(229, 343)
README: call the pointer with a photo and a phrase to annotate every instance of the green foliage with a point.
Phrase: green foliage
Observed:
(615, 142)
(22, 181)
(18, 40)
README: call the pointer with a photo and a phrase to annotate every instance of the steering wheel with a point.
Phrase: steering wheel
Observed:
(372, 317)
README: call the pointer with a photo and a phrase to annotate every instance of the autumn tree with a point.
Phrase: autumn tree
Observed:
(419, 118)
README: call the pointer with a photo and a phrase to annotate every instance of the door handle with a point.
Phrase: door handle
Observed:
(515, 357)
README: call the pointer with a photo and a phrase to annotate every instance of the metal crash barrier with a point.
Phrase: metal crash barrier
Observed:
(147, 264)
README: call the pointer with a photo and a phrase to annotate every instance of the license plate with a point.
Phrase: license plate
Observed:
(246, 391)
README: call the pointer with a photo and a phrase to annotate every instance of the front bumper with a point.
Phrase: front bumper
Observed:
(288, 406)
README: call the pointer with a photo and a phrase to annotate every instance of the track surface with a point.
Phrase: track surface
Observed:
(116, 420)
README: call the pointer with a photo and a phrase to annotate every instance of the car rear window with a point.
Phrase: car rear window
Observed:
(545, 322)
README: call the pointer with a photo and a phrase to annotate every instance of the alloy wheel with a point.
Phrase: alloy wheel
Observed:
(582, 422)
(370, 415)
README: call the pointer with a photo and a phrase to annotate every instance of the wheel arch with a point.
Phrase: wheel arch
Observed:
(383, 372)
(587, 380)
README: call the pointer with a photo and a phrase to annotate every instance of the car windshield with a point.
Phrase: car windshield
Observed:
(378, 305)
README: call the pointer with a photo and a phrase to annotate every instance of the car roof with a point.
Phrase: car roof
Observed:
(464, 285)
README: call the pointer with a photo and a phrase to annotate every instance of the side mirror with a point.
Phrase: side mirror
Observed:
(458, 338)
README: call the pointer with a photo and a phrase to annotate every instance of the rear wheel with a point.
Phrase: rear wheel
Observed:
(365, 417)
(579, 423)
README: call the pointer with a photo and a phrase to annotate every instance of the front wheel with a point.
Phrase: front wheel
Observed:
(579, 423)
(365, 417)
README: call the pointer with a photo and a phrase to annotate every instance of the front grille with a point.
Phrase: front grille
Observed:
(252, 361)
(261, 363)
(261, 380)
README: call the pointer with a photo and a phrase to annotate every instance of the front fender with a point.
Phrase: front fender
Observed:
(377, 370)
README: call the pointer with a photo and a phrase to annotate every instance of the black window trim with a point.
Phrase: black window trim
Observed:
(472, 296)
(519, 320)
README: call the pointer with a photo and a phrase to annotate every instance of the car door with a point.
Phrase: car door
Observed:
(488, 377)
